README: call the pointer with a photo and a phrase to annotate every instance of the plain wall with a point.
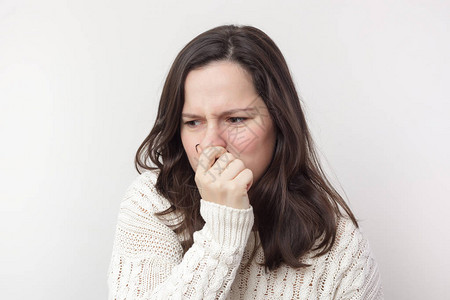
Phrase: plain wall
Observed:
(79, 88)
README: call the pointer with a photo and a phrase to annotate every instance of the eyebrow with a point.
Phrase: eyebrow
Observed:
(228, 112)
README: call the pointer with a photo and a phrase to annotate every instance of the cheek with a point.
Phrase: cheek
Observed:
(255, 147)
(250, 139)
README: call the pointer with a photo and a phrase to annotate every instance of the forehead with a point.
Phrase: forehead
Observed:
(219, 84)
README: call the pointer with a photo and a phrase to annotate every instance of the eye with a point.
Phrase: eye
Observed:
(237, 120)
(192, 123)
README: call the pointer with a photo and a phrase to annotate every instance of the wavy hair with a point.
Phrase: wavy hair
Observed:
(298, 204)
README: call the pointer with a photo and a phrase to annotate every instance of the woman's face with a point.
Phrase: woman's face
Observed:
(222, 108)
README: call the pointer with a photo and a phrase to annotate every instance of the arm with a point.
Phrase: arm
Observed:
(147, 260)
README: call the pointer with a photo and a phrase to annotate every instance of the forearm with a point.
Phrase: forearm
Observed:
(206, 271)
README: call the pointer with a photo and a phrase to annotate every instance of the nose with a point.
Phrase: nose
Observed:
(213, 137)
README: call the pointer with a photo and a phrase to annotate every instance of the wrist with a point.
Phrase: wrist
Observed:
(228, 226)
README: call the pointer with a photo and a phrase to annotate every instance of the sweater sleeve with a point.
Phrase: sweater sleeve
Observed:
(357, 275)
(147, 260)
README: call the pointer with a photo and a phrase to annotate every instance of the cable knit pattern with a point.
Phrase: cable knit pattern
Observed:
(148, 263)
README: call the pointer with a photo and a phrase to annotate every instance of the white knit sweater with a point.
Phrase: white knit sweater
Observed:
(148, 263)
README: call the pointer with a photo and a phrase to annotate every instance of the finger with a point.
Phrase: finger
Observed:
(222, 162)
(207, 158)
(233, 169)
(245, 178)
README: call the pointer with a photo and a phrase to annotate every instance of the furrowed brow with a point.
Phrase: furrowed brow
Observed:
(233, 111)
(188, 115)
(228, 112)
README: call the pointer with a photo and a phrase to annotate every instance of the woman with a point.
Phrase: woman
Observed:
(233, 203)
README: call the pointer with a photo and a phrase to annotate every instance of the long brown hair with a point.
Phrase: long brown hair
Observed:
(298, 204)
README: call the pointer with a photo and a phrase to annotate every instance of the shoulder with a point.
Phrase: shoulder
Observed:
(142, 193)
(353, 263)
(350, 246)
(139, 231)
(349, 239)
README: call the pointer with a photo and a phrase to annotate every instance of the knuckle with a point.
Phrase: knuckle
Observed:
(224, 158)
(239, 163)
(229, 155)
(248, 172)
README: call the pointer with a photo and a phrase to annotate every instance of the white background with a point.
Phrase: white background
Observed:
(79, 87)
